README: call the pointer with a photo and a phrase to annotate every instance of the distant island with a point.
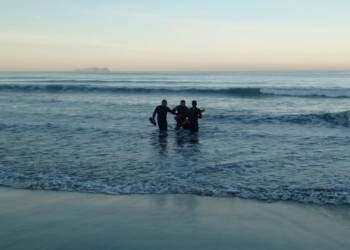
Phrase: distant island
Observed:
(92, 70)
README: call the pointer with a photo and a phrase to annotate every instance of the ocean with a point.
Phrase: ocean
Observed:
(269, 136)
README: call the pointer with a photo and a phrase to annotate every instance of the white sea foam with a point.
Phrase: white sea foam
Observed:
(316, 193)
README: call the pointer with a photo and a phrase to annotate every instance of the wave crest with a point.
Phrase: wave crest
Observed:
(234, 91)
(304, 92)
(333, 119)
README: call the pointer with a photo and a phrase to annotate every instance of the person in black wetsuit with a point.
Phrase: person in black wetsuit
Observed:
(193, 115)
(162, 111)
(181, 113)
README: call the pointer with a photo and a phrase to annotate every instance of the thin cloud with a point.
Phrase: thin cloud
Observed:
(35, 38)
(112, 45)
(22, 37)
(185, 21)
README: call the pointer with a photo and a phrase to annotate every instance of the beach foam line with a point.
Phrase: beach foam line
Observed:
(327, 193)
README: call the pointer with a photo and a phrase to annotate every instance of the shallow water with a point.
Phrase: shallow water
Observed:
(268, 136)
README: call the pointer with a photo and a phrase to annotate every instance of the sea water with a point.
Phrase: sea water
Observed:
(268, 136)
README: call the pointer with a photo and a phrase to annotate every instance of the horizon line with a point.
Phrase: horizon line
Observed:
(170, 71)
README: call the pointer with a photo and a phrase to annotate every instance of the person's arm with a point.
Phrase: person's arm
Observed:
(154, 113)
(199, 114)
(176, 109)
(170, 111)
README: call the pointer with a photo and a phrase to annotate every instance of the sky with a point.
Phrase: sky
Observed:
(175, 35)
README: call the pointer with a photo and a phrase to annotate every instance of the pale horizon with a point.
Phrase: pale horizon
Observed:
(181, 36)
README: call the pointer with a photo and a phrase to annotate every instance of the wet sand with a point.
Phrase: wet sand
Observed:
(60, 220)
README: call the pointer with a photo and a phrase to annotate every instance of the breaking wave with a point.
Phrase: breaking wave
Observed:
(332, 119)
(59, 181)
(235, 91)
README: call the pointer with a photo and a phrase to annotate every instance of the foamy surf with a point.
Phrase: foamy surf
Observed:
(260, 137)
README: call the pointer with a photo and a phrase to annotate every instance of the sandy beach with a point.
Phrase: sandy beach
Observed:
(62, 220)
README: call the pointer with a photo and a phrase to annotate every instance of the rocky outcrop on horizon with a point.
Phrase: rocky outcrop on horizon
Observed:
(92, 70)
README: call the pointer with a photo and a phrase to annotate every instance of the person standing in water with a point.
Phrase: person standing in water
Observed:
(193, 115)
(181, 113)
(162, 111)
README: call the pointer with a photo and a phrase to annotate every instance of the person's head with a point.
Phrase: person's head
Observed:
(164, 103)
(183, 103)
(194, 103)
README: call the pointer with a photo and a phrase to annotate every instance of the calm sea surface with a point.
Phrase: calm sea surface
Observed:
(267, 136)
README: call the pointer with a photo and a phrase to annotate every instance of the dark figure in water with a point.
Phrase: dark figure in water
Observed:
(181, 111)
(193, 115)
(162, 111)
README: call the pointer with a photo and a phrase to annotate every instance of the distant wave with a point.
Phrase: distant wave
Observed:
(43, 80)
(120, 89)
(303, 92)
(333, 119)
(234, 91)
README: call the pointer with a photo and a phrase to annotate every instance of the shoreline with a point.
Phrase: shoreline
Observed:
(37, 219)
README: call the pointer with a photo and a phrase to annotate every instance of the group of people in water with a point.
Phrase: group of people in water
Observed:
(181, 113)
